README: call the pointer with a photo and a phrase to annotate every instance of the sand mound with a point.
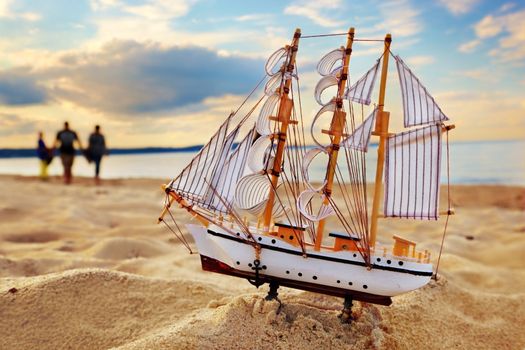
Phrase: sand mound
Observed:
(91, 309)
(33, 237)
(425, 319)
(479, 305)
(120, 248)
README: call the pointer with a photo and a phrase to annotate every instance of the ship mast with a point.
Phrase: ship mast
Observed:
(381, 130)
(336, 132)
(283, 116)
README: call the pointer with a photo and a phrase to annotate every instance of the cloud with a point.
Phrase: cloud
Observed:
(469, 46)
(488, 27)
(478, 120)
(159, 9)
(506, 7)
(399, 18)
(481, 74)
(19, 88)
(10, 123)
(150, 9)
(312, 9)
(129, 78)
(459, 7)
(6, 11)
(510, 33)
(420, 60)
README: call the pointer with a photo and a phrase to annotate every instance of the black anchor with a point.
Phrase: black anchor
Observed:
(257, 267)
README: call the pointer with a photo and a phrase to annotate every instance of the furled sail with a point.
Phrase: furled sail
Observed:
(412, 174)
(276, 60)
(360, 138)
(307, 160)
(221, 193)
(268, 109)
(304, 201)
(251, 195)
(419, 106)
(191, 182)
(322, 85)
(272, 84)
(259, 155)
(326, 64)
(361, 90)
(329, 107)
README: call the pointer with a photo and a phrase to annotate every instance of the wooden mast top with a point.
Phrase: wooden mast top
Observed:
(381, 130)
(336, 131)
(283, 116)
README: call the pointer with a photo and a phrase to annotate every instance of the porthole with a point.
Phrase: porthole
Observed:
(260, 239)
(291, 238)
(378, 259)
(400, 263)
(388, 262)
(338, 281)
(315, 277)
(365, 286)
(238, 262)
(299, 274)
(250, 264)
(350, 283)
(273, 241)
(264, 267)
(282, 236)
(287, 272)
(355, 255)
(238, 234)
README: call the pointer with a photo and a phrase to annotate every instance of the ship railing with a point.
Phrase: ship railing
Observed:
(403, 249)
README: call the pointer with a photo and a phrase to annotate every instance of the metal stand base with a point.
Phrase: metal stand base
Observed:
(274, 295)
(346, 313)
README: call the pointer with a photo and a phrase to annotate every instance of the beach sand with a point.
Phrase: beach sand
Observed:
(86, 267)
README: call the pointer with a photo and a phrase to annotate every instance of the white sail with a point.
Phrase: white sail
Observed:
(307, 160)
(268, 109)
(272, 84)
(361, 90)
(419, 106)
(251, 195)
(220, 197)
(412, 174)
(259, 154)
(191, 181)
(304, 201)
(329, 107)
(360, 138)
(326, 64)
(276, 60)
(322, 85)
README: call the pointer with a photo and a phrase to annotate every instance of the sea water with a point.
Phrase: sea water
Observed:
(488, 162)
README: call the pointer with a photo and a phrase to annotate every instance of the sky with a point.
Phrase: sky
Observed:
(167, 72)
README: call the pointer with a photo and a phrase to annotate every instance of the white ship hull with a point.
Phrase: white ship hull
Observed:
(341, 273)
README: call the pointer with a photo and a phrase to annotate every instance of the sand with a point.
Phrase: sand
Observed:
(86, 267)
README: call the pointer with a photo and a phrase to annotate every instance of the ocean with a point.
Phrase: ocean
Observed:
(487, 162)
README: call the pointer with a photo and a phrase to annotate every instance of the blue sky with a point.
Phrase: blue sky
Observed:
(165, 73)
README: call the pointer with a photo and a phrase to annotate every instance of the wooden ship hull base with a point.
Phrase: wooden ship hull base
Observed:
(213, 265)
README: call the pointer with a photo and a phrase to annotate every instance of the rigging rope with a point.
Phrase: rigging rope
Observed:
(336, 34)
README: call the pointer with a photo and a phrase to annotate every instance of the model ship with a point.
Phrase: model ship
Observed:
(258, 216)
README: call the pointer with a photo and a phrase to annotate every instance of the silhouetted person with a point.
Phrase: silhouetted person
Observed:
(44, 154)
(96, 150)
(67, 138)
